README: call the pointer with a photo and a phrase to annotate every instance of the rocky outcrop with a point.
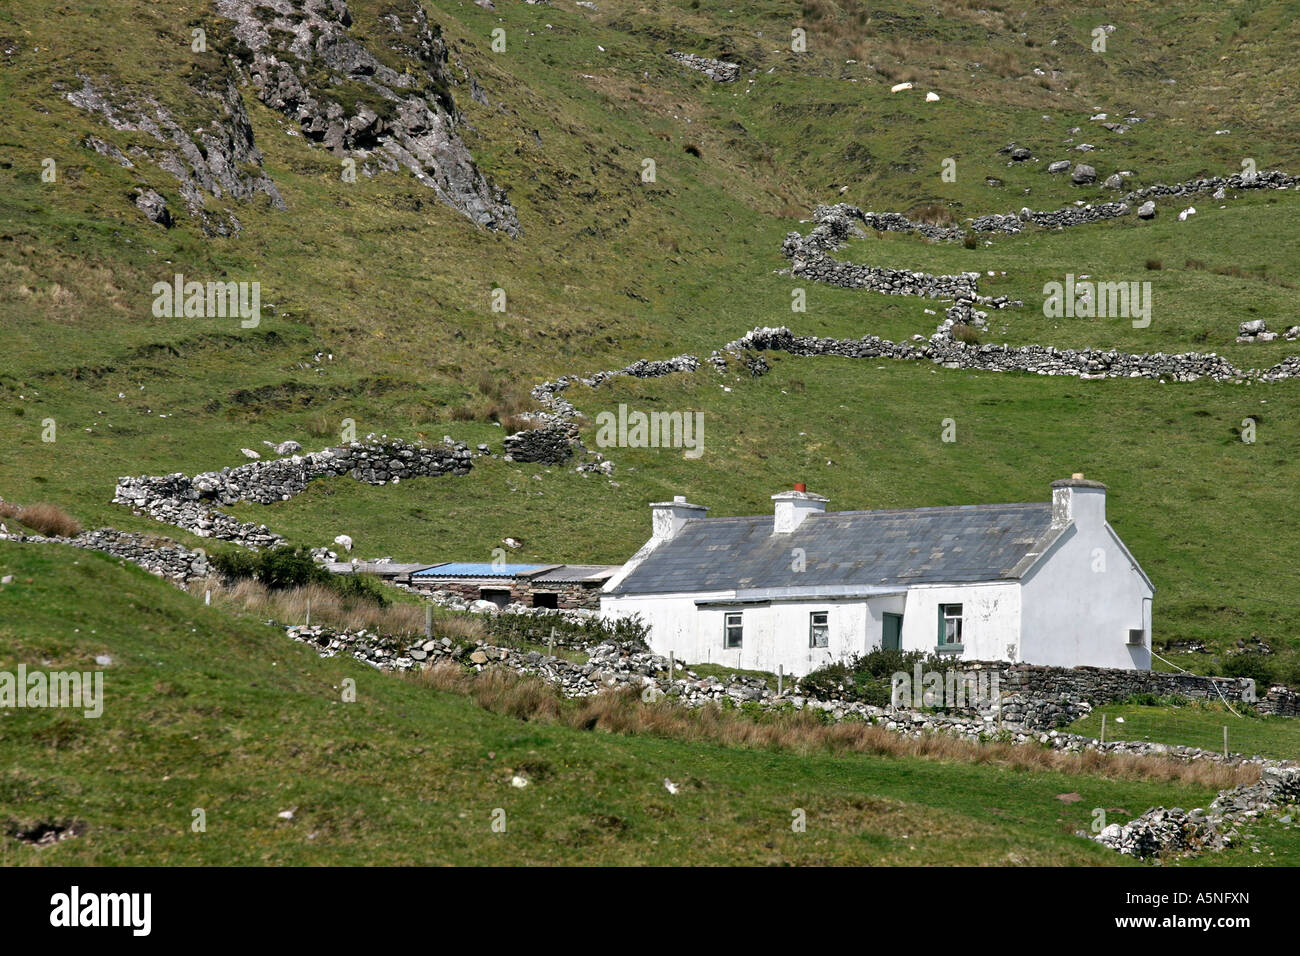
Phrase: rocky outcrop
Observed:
(386, 101)
(217, 159)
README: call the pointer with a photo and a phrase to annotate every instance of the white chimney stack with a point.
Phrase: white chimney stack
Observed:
(792, 507)
(1079, 500)
(668, 517)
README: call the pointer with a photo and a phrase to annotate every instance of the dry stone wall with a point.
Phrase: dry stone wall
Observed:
(160, 556)
(190, 502)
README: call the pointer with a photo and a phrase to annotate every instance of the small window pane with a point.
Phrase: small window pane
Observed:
(952, 624)
(733, 630)
(819, 629)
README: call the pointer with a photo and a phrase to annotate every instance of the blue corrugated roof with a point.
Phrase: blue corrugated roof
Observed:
(470, 569)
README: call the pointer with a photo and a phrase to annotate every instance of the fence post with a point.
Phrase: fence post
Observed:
(780, 679)
(207, 596)
(1225, 741)
(1103, 729)
(309, 612)
(428, 621)
(550, 644)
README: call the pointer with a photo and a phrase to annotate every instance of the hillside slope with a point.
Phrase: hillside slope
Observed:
(228, 716)
(377, 294)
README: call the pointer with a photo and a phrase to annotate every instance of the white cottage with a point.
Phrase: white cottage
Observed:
(1041, 583)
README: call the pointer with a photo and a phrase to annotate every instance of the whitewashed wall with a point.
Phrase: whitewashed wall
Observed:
(1074, 614)
(776, 634)
(990, 619)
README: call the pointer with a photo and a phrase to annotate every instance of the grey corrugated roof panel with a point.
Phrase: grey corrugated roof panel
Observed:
(577, 574)
(893, 548)
(383, 568)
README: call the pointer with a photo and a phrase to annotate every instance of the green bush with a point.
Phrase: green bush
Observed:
(364, 588)
(866, 678)
(505, 628)
(1254, 666)
(285, 567)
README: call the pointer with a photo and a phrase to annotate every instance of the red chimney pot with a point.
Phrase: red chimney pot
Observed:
(800, 486)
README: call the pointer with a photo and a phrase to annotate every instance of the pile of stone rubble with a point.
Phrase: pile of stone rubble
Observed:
(1162, 832)
(1256, 330)
(719, 71)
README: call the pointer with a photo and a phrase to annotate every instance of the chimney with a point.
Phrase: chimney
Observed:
(1079, 500)
(792, 507)
(668, 517)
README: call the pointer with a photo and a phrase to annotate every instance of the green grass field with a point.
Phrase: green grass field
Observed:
(204, 711)
(1200, 725)
(377, 309)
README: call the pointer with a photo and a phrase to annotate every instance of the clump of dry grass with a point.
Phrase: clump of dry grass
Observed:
(934, 213)
(804, 732)
(46, 519)
(327, 606)
(501, 398)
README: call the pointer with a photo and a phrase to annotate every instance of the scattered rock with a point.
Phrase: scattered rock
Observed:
(1083, 174)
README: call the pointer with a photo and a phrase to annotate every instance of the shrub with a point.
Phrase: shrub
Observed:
(965, 333)
(969, 241)
(364, 588)
(1155, 264)
(505, 628)
(1254, 666)
(285, 568)
(866, 678)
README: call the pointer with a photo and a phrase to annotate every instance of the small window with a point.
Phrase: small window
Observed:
(819, 629)
(950, 625)
(546, 599)
(733, 630)
(1137, 636)
(498, 596)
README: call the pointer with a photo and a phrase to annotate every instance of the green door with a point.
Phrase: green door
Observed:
(892, 632)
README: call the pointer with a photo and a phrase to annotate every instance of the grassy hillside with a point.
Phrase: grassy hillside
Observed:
(204, 711)
(377, 298)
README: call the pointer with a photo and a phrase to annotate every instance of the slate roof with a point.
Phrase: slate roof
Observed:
(848, 549)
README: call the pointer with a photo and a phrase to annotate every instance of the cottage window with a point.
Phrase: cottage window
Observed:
(819, 629)
(733, 630)
(950, 626)
(546, 599)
